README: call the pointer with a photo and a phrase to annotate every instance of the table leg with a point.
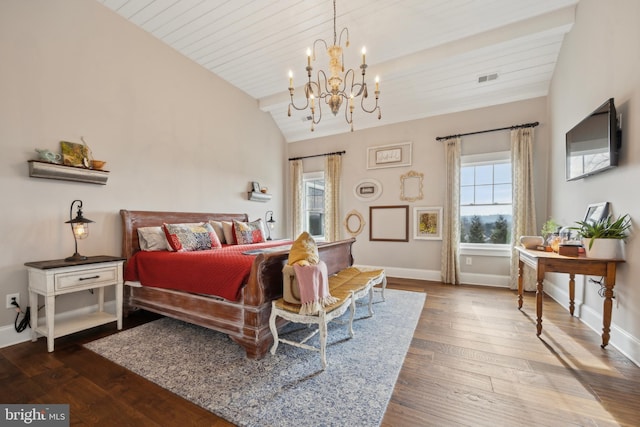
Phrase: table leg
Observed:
(520, 273)
(50, 311)
(539, 295)
(610, 282)
(33, 303)
(572, 292)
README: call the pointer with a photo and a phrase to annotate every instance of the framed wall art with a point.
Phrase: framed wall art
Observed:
(74, 154)
(367, 190)
(411, 186)
(389, 223)
(354, 223)
(389, 156)
(427, 223)
(596, 212)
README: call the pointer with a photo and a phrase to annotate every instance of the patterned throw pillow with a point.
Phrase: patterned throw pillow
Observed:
(191, 237)
(248, 232)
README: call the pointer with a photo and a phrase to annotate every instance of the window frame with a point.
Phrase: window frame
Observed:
(486, 249)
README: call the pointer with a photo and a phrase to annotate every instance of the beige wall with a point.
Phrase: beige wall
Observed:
(600, 59)
(174, 136)
(421, 258)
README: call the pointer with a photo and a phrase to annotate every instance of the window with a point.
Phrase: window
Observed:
(314, 204)
(485, 199)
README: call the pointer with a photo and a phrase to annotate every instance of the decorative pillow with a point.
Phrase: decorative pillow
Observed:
(248, 232)
(304, 251)
(217, 226)
(152, 239)
(188, 237)
(227, 229)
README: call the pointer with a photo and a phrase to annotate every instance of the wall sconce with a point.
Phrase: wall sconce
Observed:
(270, 223)
(79, 228)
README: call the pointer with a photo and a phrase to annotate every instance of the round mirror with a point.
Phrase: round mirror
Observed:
(354, 223)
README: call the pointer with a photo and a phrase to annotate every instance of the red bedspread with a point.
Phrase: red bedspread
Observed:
(219, 272)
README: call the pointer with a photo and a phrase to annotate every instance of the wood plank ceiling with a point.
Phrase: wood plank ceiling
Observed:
(429, 54)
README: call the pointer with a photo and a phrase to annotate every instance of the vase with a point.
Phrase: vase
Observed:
(604, 248)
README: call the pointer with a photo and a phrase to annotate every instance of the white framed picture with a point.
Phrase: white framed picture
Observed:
(389, 156)
(367, 190)
(427, 223)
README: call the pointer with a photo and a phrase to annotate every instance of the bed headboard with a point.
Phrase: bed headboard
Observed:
(131, 220)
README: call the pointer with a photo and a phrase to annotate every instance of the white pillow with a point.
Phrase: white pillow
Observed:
(217, 227)
(153, 239)
(227, 228)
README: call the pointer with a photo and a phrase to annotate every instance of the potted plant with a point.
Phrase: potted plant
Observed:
(603, 238)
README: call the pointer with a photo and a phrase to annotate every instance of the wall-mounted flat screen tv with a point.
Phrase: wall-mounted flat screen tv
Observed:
(593, 144)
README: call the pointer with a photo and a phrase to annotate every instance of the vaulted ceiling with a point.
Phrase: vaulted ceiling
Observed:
(431, 55)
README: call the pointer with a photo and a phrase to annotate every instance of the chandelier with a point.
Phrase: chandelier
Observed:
(339, 87)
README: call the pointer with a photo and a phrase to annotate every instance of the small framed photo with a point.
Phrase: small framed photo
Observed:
(389, 156)
(596, 212)
(255, 187)
(427, 223)
(74, 154)
(367, 190)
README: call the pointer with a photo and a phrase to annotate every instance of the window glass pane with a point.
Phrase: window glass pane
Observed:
(466, 175)
(502, 193)
(466, 195)
(484, 194)
(502, 173)
(485, 202)
(484, 174)
(314, 207)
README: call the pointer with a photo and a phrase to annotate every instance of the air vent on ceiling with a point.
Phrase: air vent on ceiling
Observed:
(487, 77)
(307, 118)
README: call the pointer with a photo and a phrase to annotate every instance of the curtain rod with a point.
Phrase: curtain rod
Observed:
(526, 125)
(340, 153)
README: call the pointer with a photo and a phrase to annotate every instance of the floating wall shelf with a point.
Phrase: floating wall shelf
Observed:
(259, 197)
(39, 169)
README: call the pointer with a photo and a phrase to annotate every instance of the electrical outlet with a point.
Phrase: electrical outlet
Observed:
(469, 260)
(10, 297)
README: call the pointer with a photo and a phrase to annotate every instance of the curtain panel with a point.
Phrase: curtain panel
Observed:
(332, 183)
(524, 212)
(297, 197)
(450, 263)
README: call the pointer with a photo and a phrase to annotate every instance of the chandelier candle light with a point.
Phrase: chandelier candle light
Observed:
(338, 87)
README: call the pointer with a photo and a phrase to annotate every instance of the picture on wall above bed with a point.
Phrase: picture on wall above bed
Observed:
(74, 154)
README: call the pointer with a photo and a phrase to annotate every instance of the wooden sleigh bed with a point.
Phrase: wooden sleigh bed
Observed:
(246, 320)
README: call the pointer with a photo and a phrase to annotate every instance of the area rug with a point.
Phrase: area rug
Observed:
(285, 389)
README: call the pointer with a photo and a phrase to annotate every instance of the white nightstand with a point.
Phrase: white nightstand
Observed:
(58, 277)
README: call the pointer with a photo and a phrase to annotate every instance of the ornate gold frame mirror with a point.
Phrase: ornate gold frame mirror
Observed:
(354, 223)
(411, 186)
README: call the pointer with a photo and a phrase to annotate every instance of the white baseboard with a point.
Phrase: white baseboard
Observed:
(433, 275)
(622, 340)
(9, 336)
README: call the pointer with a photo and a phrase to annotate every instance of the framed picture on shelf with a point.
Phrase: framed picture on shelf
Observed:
(74, 154)
(427, 223)
(255, 187)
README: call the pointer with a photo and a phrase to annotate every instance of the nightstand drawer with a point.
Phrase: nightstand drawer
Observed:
(86, 278)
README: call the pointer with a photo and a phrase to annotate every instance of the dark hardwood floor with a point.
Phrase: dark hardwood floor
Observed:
(474, 361)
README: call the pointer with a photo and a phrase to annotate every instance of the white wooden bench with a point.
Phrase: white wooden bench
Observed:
(346, 286)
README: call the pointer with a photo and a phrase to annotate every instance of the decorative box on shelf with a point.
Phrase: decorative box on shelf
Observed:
(259, 196)
(38, 169)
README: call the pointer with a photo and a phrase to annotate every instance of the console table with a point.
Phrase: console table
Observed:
(550, 262)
